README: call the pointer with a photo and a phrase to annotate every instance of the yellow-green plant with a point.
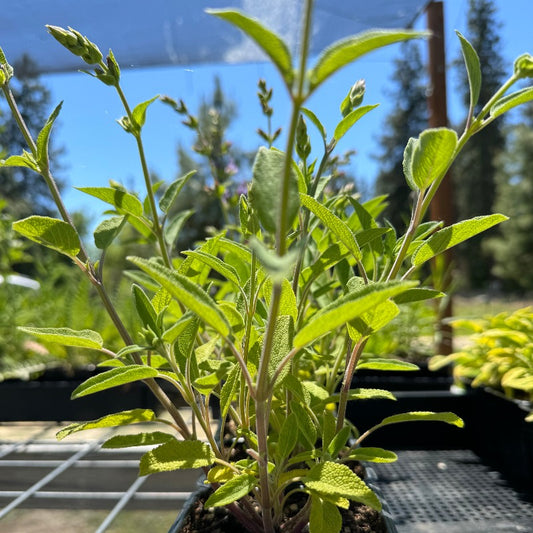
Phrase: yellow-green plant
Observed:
(499, 354)
(243, 316)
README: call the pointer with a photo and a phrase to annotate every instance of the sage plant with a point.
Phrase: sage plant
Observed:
(270, 318)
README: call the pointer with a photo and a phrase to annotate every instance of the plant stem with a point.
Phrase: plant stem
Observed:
(348, 376)
(156, 226)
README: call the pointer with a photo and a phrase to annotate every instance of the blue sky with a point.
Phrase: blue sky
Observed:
(98, 150)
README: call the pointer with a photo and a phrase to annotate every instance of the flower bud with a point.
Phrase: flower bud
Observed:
(76, 43)
(303, 143)
(354, 98)
(523, 66)
(6, 70)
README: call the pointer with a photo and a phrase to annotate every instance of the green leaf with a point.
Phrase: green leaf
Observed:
(417, 295)
(333, 223)
(373, 455)
(107, 231)
(139, 439)
(506, 103)
(350, 119)
(124, 418)
(428, 157)
(67, 337)
(346, 308)
(145, 309)
(452, 235)
(314, 119)
(44, 136)
(278, 268)
(270, 43)
(25, 160)
(267, 179)
(305, 423)
(324, 516)
(216, 264)
(345, 51)
(233, 490)
(473, 69)
(364, 394)
(50, 232)
(174, 226)
(124, 202)
(428, 416)
(173, 191)
(188, 293)
(334, 479)
(114, 378)
(176, 455)
(373, 320)
(288, 436)
(139, 112)
(287, 303)
(387, 364)
(339, 441)
(228, 390)
(281, 344)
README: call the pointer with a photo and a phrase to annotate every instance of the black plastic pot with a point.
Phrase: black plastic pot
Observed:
(48, 398)
(500, 435)
(203, 490)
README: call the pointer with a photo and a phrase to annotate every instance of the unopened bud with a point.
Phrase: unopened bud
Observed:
(354, 98)
(303, 143)
(6, 70)
(523, 66)
(76, 43)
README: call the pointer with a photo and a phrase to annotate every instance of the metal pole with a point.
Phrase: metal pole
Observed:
(442, 206)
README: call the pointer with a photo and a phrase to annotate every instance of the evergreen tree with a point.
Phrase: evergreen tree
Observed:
(25, 191)
(475, 169)
(513, 247)
(408, 118)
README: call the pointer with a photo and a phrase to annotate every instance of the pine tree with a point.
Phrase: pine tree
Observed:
(408, 118)
(24, 190)
(513, 247)
(475, 169)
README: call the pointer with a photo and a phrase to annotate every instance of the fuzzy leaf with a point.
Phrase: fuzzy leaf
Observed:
(173, 191)
(228, 390)
(324, 516)
(452, 235)
(139, 112)
(281, 344)
(473, 69)
(124, 418)
(144, 308)
(139, 439)
(343, 52)
(44, 136)
(174, 226)
(350, 119)
(107, 230)
(386, 364)
(347, 308)
(304, 422)
(417, 295)
(333, 223)
(373, 455)
(511, 100)
(288, 436)
(334, 479)
(233, 490)
(50, 232)
(427, 158)
(176, 455)
(25, 160)
(267, 176)
(270, 43)
(428, 416)
(216, 264)
(114, 378)
(124, 202)
(188, 293)
(314, 119)
(67, 337)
